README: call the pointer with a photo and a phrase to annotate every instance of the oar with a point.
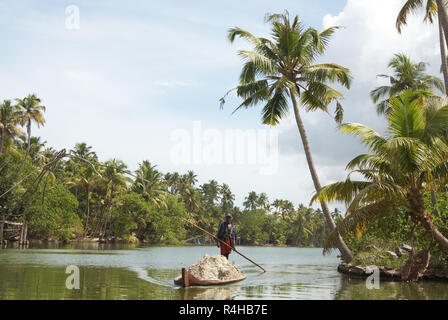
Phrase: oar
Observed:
(224, 243)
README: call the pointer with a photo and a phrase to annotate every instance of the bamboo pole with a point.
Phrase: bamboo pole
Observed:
(2, 224)
(25, 236)
(21, 234)
(203, 230)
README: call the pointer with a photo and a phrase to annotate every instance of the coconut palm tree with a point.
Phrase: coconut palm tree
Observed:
(301, 225)
(263, 201)
(113, 178)
(46, 156)
(250, 202)
(407, 75)
(282, 68)
(399, 169)
(191, 178)
(113, 182)
(150, 184)
(85, 179)
(84, 151)
(192, 199)
(32, 111)
(36, 147)
(276, 204)
(286, 208)
(432, 7)
(173, 181)
(210, 193)
(9, 129)
(227, 197)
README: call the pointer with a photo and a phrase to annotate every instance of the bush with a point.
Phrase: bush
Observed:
(54, 215)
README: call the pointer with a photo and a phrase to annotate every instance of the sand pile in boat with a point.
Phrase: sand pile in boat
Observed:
(215, 268)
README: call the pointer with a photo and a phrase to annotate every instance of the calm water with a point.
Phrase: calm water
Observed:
(118, 272)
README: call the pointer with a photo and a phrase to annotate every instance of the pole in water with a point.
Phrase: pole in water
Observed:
(203, 230)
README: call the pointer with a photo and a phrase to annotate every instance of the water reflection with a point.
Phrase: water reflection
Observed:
(122, 272)
(214, 293)
(355, 289)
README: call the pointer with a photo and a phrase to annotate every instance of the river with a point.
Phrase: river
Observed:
(126, 272)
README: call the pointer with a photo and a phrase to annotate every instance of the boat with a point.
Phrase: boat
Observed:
(187, 280)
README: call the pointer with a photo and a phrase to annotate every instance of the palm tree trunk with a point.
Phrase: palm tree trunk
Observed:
(443, 54)
(419, 215)
(434, 202)
(347, 255)
(442, 15)
(99, 222)
(445, 80)
(2, 140)
(427, 223)
(87, 211)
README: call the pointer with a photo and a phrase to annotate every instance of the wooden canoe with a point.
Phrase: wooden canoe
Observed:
(187, 280)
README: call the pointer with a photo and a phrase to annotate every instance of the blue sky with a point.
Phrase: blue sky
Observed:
(137, 70)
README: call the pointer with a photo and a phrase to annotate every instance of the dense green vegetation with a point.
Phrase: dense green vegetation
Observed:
(400, 197)
(388, 231)
(95, 199)
(401, 168)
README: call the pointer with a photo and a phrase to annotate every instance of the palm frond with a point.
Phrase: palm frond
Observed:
(368, 136)
(339, 113)
(232, 33)
(318, 95)
(340, 191)
(276, 107)
(357, 220)
(328, 72)
(431, 11)
(379, 92)
(260, 62)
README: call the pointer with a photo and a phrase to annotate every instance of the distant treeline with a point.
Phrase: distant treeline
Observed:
(83, 197)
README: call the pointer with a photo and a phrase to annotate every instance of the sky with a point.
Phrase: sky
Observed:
(137, 75)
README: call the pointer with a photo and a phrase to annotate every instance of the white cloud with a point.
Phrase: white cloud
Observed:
(365, 45)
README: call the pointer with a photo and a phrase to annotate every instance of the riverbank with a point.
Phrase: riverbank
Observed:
(390, 273)
(134, 240)
(128, 240)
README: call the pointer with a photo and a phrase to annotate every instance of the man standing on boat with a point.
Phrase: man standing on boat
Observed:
(226, 233)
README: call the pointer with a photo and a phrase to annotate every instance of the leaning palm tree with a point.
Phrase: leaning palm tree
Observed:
(32, 112)
(432, 8)
(399, 169)
(406, 75)
(9, 129)
(282, 68)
